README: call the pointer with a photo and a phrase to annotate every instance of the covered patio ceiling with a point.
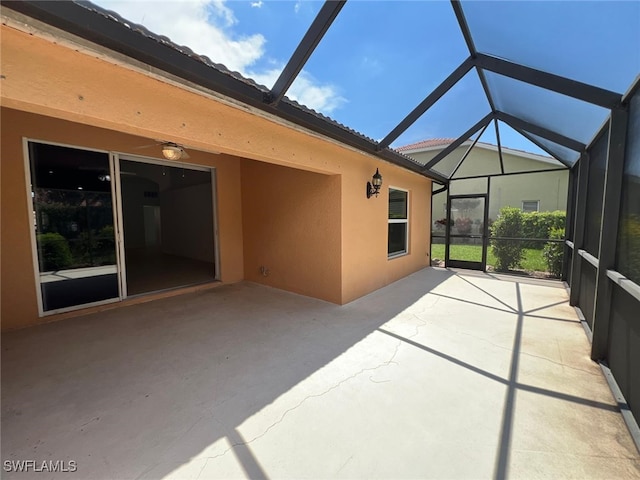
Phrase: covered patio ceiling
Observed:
(557, 98)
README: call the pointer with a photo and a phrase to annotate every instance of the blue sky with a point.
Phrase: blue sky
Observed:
(381, 58)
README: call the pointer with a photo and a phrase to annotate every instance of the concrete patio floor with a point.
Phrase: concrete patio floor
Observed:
(441, 375)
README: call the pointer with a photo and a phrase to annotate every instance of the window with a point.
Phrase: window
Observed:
(398, 222)
(531, 205)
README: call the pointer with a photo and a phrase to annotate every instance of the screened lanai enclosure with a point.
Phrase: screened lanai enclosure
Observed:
(562, 77)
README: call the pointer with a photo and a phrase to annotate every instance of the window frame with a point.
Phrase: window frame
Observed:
(531, 201)
(28, 170)
(404, 221)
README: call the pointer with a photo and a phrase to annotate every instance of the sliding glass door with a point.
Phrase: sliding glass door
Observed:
(106, 227)
(168, 225)
(72, 198)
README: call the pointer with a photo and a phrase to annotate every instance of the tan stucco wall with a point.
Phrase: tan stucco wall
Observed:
(115, 107)
(364, 229)
(291, 222)
(320, 235)
(49, 79)
(550, 188)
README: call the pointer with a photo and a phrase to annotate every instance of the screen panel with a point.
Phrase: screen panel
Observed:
(628, 251)
(483, 159)
(466, 186)
(572, 199)
(453, 114)
(438, 217)
(376, 63)
(556, 112)
(594, 42)
(558, 151)
(624, 346)
(587, 292)
(595, 192)
(548, 189)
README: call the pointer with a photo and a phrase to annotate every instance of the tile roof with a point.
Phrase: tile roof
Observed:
(57, 13)
(442, 142)
(142, 30)
(434, 142)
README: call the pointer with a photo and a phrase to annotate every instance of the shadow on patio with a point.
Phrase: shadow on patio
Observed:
(442, 374)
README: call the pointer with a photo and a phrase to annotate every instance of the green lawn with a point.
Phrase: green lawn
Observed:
(532, 259)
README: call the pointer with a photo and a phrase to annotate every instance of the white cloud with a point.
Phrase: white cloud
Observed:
(257, 4)
(323, 98)
(206, 27)
(266, 77)
(202, 25)
(221, 10)
(305, 90)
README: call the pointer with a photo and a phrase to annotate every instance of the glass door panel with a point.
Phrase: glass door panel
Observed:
(167, 216)
(74, 226)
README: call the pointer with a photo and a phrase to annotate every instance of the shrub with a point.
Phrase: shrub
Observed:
(54, 252)
(508, 253)
(554, 252)
(539, 225)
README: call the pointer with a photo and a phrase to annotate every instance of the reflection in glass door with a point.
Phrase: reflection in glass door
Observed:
(466, 245)
(72, 201)
(168, 225)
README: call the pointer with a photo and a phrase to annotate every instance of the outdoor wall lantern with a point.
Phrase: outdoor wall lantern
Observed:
(171, 151)
(373, 187)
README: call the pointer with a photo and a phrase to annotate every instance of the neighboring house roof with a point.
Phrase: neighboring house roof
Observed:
(109, 30)
(436, 144)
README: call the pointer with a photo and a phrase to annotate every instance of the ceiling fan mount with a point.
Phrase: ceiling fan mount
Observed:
(170, 150)
(173, 151)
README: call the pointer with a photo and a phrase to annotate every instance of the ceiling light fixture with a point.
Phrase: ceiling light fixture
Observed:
(171, 151)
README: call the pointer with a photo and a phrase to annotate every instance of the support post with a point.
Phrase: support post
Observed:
(609, 230)
(447, 234)
(571, 211)
(578, 227)
(485, 229)
(556, 83)
(495, 122)
(519, 124)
